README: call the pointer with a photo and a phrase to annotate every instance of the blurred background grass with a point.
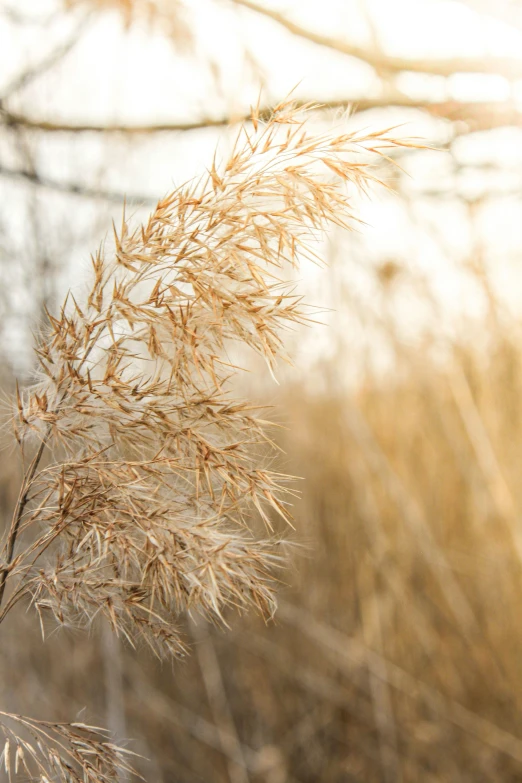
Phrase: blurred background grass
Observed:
(396, 654)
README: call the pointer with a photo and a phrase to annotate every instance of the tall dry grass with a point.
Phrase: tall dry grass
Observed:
(143, 473)
(395, 652)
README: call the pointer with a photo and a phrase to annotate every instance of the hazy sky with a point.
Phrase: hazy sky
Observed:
(134, 75)
(127, 75)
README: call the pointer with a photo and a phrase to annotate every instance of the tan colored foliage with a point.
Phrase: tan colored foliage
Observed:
(147, 472)
(40, 750)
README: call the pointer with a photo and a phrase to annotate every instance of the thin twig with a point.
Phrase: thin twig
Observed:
(45, 64)
(503, 66)
(75, 188)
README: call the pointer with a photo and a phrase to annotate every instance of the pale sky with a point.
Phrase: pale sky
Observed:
(119, 75)
(126, 75)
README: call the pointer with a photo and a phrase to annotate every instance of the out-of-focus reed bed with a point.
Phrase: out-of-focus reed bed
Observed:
(396, 652)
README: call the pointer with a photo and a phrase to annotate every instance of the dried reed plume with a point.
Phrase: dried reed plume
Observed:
(44, 751)
(147, 470)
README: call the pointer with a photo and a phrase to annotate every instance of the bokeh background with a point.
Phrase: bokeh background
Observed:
(396, 654)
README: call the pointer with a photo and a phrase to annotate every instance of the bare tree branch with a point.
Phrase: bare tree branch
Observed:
(20, 120)
(503, 66)
(74, 188)
(478, 115)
